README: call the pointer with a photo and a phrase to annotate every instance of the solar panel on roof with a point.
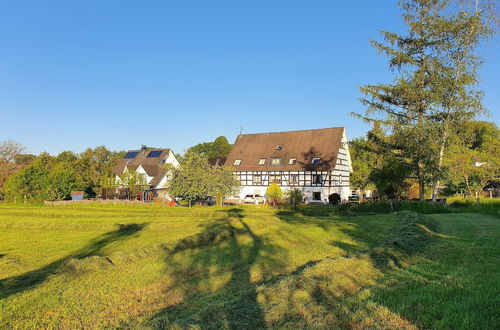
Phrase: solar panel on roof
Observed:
(154, 153)
(131, 154)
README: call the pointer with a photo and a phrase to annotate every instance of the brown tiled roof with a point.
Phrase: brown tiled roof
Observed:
(150, 164)
(156, 180)
(302, 145)
(219, 161)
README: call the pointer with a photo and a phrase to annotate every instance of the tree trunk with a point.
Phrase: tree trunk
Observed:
(421, 185)
(440, 161)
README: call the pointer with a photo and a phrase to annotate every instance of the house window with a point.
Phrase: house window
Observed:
(237, 162)
(315, 161)
(257, 180)
(292, 161)
(279, 147)
(294, 178)
(317, 195)
(275, 179)
(317, 178)
(262, 161)
(276, 161)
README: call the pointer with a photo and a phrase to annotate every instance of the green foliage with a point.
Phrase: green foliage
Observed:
(363, 161)
(293, 196)
(134, 181)
(61, 181)
(391, 179)
(274, 194)
(196, 179)
(435, 87)
(334, 199)
(474, 160)
(53, 178)
(220, 147)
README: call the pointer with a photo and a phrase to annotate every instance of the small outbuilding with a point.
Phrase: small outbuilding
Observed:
(77, 195)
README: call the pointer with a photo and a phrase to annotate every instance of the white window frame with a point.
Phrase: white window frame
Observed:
(237, 162)
(254, 177)
(262, 161)
(276, 161)
(292, 161)
(314, 159)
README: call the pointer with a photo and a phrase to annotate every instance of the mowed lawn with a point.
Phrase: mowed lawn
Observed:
(244, 267)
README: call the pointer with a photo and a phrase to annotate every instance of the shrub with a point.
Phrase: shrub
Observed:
(334, 199)
(274, 194)
(293, 196)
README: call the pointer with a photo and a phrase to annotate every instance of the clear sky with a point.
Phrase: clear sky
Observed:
(78, 74)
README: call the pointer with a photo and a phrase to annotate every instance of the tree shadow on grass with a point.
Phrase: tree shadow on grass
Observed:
(20, 283)
(216, 271)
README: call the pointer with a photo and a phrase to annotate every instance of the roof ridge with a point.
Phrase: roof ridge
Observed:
(300, 130)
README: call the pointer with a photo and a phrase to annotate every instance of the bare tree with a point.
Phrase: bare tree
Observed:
(10, 149)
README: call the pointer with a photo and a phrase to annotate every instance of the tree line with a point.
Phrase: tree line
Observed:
(471, 163)
(46, 177)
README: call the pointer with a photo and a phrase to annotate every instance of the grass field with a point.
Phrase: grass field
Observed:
(146, 266)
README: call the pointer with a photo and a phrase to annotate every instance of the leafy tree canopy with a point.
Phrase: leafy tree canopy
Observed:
(196, 179)
(220, 147)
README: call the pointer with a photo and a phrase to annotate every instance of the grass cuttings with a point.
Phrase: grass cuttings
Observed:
(410, 235)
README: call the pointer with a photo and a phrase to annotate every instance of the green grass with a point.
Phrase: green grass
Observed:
(454, 205)
(99, 266)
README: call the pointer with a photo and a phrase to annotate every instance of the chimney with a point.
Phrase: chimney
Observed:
(144, 149)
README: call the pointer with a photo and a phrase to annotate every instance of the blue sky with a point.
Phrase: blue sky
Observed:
(78, 74)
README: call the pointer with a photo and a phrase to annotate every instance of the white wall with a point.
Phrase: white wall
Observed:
(307, 191)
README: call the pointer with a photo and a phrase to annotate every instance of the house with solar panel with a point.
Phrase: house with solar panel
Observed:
(149, 165)
(316, 161)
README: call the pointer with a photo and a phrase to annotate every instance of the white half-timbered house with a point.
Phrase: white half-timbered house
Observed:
(316, 161)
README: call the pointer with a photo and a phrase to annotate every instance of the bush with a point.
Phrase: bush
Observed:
(293, 196)
(274, 194)
(334, 199)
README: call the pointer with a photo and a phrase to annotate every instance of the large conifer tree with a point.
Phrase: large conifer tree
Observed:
(428, 86)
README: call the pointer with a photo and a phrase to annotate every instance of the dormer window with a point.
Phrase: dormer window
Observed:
(279, 147)
(315, 161)
(276, 161)
(292, 161)
(262, 161)
(237, 162)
